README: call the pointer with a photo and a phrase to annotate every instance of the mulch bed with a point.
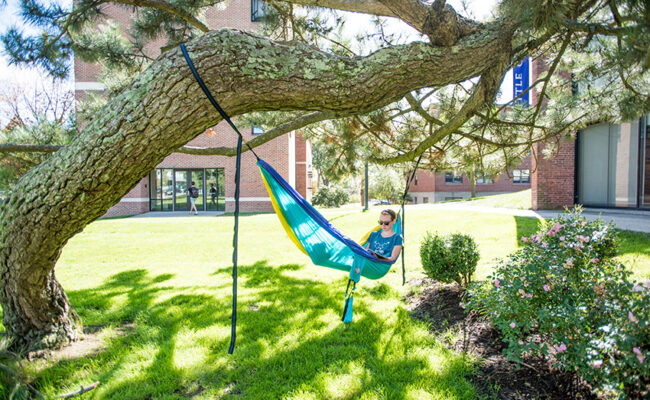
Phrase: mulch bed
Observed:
(441, 307)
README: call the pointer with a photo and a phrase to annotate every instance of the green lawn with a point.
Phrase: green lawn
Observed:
(169, 280)
(518, 200)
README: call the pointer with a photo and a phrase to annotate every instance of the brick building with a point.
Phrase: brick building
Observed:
(164, 188)
(607, 165)
(431, 187)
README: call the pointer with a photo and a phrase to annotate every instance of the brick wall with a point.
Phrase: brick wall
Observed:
(553, 181)
(303, 166)
(433, 185)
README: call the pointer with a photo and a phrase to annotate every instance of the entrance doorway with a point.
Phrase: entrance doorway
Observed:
(169, 189)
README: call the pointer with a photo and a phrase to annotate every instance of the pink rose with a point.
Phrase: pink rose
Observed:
(594, 260)
(560, 348)
(584, 223)
(638, 353)
(512, 325)
(632, 318)
(544, 245)
(497, 283)
(562, 238)
(546, 288)
(524, 239)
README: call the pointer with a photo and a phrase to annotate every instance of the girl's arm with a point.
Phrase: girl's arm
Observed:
(396, 250)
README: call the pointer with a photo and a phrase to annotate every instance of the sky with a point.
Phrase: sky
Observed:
(30, 77)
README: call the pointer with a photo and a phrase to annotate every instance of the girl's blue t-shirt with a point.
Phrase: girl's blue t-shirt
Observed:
(383, 246)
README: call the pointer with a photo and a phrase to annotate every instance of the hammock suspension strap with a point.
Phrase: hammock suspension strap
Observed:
(409, 180)
(235, 240)
(233, 331)
(212, 100)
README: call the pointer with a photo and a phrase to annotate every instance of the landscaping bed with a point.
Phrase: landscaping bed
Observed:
(441, 306)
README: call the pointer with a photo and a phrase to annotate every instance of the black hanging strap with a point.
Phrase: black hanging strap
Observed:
(233, 332)
(212, 100)
(233, 328)
(406, 190)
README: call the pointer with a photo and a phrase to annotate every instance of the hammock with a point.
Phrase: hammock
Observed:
(315, 236)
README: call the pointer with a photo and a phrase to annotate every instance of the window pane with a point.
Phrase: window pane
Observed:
(155, 190)
(182, 203)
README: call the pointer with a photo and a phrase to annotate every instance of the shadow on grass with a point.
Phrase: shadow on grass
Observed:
(286, 344)
(633, 242)
(526, 226)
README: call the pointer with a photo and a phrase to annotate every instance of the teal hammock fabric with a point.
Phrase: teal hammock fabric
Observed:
(315, 236)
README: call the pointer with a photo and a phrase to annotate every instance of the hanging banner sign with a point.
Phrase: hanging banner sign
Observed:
(520, 74)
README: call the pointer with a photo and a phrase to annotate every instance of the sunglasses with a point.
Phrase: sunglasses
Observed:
(384, 223)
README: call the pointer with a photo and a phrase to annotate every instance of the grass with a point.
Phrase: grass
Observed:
(518, 200)
(170, 280)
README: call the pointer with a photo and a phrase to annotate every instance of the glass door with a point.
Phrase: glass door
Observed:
(215, 189)
(181, 199)
(197, 178)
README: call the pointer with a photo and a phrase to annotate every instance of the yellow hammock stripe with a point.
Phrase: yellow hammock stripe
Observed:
(283, 221)
(365, 237)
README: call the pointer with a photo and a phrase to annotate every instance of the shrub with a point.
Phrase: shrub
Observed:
(330, 196)
(450, 258)
(564, 295)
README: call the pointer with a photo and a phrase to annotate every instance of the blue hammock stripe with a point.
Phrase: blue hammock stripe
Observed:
(324, 244)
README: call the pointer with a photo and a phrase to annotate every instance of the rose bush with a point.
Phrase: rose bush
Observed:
(564, 294)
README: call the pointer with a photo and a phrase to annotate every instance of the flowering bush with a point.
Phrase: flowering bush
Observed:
(450, 258)
(563, 294)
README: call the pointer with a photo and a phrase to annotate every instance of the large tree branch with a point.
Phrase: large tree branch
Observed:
(373, 7)
(170, 8)
(438, 21)
(269, 135)
(28, 148)
(484, 91)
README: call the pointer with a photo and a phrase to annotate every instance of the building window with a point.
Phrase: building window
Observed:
(521, 176)
(483, 180)
(454, 177)
(258, 10)
(415, 200)
(416, 180)
(425, 200)
(257, 130)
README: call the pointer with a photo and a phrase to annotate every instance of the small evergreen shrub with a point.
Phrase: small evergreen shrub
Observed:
(330, 196)
(450, 258)
(563, 294)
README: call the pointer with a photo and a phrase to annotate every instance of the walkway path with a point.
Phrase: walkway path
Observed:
(632, 220)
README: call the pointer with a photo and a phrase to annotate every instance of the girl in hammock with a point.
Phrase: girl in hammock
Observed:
(385, 244)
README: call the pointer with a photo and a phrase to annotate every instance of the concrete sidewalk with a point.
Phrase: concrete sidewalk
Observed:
(177, 214)
(631, 220)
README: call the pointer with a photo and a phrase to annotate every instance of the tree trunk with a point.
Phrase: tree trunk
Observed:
(472, 181)
(162, 110)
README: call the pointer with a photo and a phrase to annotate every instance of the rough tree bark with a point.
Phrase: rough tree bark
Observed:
(162, 110)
